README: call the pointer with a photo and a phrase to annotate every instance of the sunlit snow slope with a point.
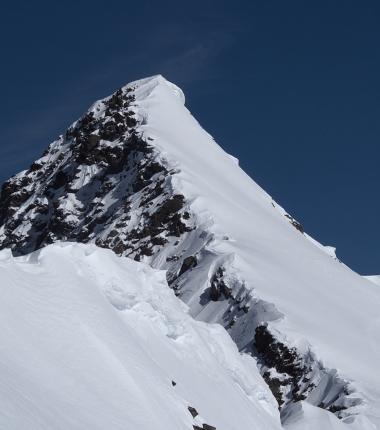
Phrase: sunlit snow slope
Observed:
(92, 341)
(328, 310)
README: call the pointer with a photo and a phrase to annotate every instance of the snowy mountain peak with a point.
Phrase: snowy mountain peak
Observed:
(145, 86)
(137, 174)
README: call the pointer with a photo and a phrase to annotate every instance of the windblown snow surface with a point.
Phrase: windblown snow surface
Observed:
(93, 341)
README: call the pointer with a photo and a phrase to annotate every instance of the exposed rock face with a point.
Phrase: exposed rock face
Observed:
(218, 286)
(193, 411)
(105, 181)
(292, 377)
(295, 223)
(101, 181)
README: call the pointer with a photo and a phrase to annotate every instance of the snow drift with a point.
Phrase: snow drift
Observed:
(90, 340)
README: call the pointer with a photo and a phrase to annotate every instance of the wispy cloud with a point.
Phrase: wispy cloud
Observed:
(187, 57)
(191, 65)
(179, 51)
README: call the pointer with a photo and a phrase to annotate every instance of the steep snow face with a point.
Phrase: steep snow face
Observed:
(322, 308)
(90, 340)
(139, 175)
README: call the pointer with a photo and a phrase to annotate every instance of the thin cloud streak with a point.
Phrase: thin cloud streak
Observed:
(175, 52)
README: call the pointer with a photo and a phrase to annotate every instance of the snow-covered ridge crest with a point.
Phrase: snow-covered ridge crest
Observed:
(137, 174)
(144, 87)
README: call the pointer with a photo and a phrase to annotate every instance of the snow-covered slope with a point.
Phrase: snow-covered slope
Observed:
(137, 174)
(92, 341)
(375, 279)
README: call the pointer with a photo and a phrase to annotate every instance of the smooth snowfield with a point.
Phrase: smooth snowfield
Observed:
(327, 308)
(92, 341)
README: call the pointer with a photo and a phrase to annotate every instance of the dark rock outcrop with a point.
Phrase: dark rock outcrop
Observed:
(193, 411)
(188, 264)
(292, 377)
(218, 287)
(295, 223)
(102, 157)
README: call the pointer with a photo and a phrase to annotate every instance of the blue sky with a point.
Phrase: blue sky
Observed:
(291, 88)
